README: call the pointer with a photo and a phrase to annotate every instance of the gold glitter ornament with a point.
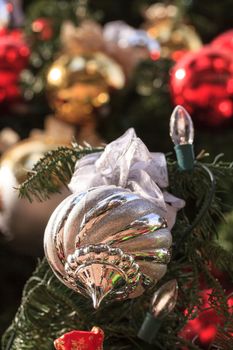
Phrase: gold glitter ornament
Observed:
(164, 23)
(79, 84)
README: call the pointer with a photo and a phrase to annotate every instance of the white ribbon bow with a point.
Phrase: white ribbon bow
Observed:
(126, 162)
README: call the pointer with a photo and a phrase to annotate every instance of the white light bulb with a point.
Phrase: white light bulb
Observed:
(164, 299)
(181, 127)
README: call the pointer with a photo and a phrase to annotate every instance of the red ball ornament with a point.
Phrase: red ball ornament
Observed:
(202, 82)
(42, 27)
(224, 41)
(14, 54)
(203, 329)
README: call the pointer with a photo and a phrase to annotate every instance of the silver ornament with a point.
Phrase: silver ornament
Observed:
(107, 242)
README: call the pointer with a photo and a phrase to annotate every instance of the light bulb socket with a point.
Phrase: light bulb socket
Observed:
(185, 156)
(149, 328)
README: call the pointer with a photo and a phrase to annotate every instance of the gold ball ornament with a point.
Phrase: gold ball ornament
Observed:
(79, 84)
(23, 222)
(108, 243)
(164, 23)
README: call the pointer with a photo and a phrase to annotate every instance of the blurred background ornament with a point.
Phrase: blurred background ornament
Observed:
(11, 14)
(202, 82)
(224, 41)
(15, 8)
(19, 216)
(78, 85)
(81, 81)
(93, 63)
(166, 24)
(14, 55)
(4, 14)
(43, 28)
(107, 245)
(8, 137)
(129, 46)
(85, 38)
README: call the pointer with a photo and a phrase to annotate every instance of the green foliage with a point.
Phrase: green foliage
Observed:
(49, 309)
(52, 171)
(44, 50)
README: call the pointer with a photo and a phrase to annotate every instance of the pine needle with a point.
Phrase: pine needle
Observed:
(52, 171)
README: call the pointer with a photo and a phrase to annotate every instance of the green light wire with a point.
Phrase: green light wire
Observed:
(203, 210)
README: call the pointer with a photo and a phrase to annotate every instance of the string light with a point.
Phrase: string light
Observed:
(162, 303)
(182, 135)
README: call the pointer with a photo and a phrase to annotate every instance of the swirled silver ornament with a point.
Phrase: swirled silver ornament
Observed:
(107, 243)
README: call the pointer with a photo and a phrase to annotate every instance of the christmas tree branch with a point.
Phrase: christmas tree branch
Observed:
(52, 171)
(56, 168)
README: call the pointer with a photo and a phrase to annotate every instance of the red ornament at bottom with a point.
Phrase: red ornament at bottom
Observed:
(81, 340)
(203, 329)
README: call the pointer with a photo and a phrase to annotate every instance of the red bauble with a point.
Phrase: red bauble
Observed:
(42, 27)
(14, 54)
(203, 328)
(202, 82)
(78, 340)
(224, 41)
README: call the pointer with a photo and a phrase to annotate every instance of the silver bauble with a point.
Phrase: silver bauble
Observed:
(107, 242)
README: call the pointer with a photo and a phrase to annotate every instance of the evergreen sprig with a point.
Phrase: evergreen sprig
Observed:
(52, 171)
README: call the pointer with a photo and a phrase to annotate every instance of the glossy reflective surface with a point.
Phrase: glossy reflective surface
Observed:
(164, 299)
(181, 127)
(107, 242)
